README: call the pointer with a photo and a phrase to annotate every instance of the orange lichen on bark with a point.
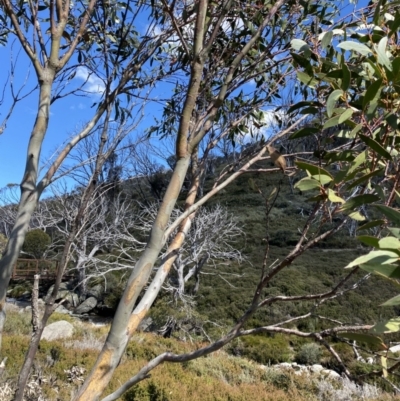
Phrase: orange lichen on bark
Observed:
(135, 320)
(95, 386)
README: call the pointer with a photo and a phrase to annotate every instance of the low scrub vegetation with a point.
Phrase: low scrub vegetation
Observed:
(62, 365)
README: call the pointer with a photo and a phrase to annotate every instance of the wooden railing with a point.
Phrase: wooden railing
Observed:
(27, 268)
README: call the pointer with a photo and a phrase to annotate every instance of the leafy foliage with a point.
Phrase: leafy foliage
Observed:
(36, 243)
(355, 84)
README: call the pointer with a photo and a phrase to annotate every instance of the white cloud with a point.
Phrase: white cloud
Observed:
(269, 125)
(92, 83)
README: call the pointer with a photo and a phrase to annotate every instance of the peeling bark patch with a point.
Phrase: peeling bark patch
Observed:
(96, 385)
(134, 321)
(134, 288)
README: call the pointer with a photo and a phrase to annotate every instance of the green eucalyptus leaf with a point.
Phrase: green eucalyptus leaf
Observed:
(303, 132)
(388, 271)
(395, 231)
(333, 197)
(382, 56)
(345, 115)
(375, 258)
(322, 178)
(376, 146)
(331, 122)
(364, 178)
(387, 326)
(307, 184)
(355, 130)
(306, 79)
(359, 200)
(298, 44)
(327, 39)
(372, 92)
(392, 120)
(389, 243)
(371, 224)
(332, 99)
(392, 214)
(355, 46)
(379, 191)
(369, 240)
(395, 25)
(357, 216)
(364, 338)
(299, 105)
(309, 110)
(377, 13)
(346, 79)
(392, 301)
(312, 169)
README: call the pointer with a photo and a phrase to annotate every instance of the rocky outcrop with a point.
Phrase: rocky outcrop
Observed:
(65, 294)
(312, 369)
(58, 330)
(86, 306)
(96, 291)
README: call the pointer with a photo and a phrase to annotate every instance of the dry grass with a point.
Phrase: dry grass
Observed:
(62, 365)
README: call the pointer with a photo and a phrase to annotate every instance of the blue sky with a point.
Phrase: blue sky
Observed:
(66, 114)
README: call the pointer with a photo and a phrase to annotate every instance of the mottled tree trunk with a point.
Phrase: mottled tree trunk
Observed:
(29, 191)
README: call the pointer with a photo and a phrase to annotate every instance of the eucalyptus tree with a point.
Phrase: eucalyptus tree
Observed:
(228, 60)
(233, 57)
(355, 94)
(348, 74)
(58, 38)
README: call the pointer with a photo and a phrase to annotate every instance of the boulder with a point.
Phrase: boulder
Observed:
(395, 348)
(97, 291)
(86, 306)
(64, 293)
(62, 309)
(58, 330)
(331, 374)
(316, 368)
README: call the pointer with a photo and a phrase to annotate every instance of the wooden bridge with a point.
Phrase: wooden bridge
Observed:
(25, 269)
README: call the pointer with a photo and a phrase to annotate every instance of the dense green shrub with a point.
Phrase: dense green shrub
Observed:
(20, 289)
(283, 238)
(36, 243)
(308, 354)
(264, 350)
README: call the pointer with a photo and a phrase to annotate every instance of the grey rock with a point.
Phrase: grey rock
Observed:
(316, 368)
(65, 294)
(395, 348)
(97, 291)
(86, 306)
(58, 330)
(285, 365)
(62, 309)
(331, 374)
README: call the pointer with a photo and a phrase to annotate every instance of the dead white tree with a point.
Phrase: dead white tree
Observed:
(209, 243)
